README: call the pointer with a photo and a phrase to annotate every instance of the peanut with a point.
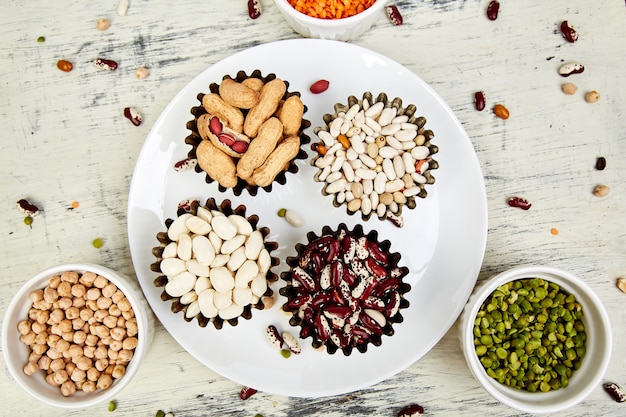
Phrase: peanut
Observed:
(237, 94)
(217, 164)
(291, 114)
(269, 98)
(216, 106)
(275, 162)
(255, 84)
(269, 133)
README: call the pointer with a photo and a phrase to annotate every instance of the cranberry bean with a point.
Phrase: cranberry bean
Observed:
(571, 68)
(254, 8)
(614, 391)
(492, 10)
(479, 100)
(394, 15)
(185, 164)
(319, 86)
(519, 203)
(105, 64)
(568, 31)
(27, 208)
(247, 392)
(411, 411)
(133, 115)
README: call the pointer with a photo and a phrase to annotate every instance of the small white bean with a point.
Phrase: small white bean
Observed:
(346, 125)
(333, 149)
(393, 186)
(357, 143)
(359, 119)
(241, 223)
(388, 169)
(324, 161)
(334, 176)
(367, 160)
(374, 200)
(366, 206)
(393, 142)
(390, 129)
(368, 185)
(388, 152)
(409, 162)
(375, 110)
(336, 166)
(335, 127)
(180, 284)
(253, 245)
(420, 152)
(207, 304)
(351, 154)
(348, 172)
(324, 173)
(408, 126)
(352, 111)
(336, 186)
(237, 258)
(403, 118)
(387, 115)
(326, 138)
(398, 166)
(178, 227)
(372, 124)
(409, 192)
(294, 218)
(379, 182)
(364, 173)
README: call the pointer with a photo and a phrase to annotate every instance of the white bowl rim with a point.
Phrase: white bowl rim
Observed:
(331, 23)
(570, 283)
(123, 282)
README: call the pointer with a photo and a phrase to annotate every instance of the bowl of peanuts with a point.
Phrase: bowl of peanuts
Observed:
(74, 335)
(340, 20)
(536, 338)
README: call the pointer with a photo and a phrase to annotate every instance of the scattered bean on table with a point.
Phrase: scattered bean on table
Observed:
(479, 100)
(592, 96)
(600, 163)
(519, 203)
(411, 411)
(64, 65)
(568, 32)
(601, 190)
(493, 8)
(501, 111)
(615, 391)
(254, 8)
(394, 15)
(569, 88)
(319, 86)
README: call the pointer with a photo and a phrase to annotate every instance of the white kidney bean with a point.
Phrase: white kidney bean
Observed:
(172, 266)
(259, 285)
(202, 283)
(237, 258)
(264, 261)
(375, 110)
(352, 112)
(387, 115)
(197, 225)
(231, 245)
(203, 250)
(183, 250)
(253, 245)
(196, 268)
(222, 299)
(170, 251)
(207, 304)
(223, 227)
(178, 227)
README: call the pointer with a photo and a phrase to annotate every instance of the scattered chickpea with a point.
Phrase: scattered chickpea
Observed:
(102, 24)
(601, 190)
(142, 73)
(592, 96)
(569, 88)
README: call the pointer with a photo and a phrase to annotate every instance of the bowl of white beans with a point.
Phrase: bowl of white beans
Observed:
(74, 335)
(310, 24)
(536, 338)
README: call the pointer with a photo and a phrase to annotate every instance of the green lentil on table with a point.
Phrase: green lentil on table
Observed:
(529, 335)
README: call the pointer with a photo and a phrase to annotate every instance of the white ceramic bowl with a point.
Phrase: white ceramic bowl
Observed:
(594, 363)
(16, 353)
(333, 29)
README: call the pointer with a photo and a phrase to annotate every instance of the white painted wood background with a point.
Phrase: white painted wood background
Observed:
(64, 138)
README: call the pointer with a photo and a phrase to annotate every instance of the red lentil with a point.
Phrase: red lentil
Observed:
(331, 9)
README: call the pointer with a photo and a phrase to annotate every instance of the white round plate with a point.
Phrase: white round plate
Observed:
(442, 242)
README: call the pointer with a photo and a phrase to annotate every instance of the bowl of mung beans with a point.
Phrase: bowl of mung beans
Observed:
(334, 20)
(74, 335)
(537, 338)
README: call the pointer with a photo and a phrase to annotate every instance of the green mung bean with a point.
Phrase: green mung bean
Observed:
(529, 335)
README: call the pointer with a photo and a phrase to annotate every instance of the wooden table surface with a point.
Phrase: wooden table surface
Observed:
(64, 139)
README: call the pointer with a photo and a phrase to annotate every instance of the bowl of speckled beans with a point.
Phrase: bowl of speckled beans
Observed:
(311, 19)
(74, 335)
(536, 338)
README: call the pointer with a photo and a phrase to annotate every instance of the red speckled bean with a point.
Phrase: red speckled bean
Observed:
(568, 31)
(519, 203)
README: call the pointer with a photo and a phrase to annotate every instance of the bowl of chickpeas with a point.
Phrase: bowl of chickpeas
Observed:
(74, 335)
(327, 20)
(537, 338)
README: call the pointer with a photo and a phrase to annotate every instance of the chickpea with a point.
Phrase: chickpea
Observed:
(109, 290)
(87, 279)
(100, 314)
(68, 388)
(42, 305)
(24, 327)
(101, 352)
(64, 289)
(70, 277)
(54, 354)
(124, 355)
(68, 336)
(56, 316)
(70, 367)
(118, 333)
(141, 73)
(65, 325)
(128, 314)
(57, 364)
(34, 357)
(38, 328)
(62, 345)
(104, 382)
(78, 375)
(52, 339)
(43, 316)
(89, 386)
(79, 290)
(115, 346)
(33, 313)
(102, 24)
(91, 340)
(39, 348)
(93, 374)
(131, 327)
(60, 376)
(100, 282)
(64, 303)
(85, 314)
(118, 296)
(89, 352)
(44, 362)
(79, 302)
(50, 294)
(54, 282)
(101, 364)
(104, 302)
(93, 294)
(72, 312)
(50, 380)
(41, 338)
(36, 295)
(31, 368)
(91, 304)
(118, 371)
(28, 339)
(75, 352)
(114, 310)
(84, 363)
(78, 323)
